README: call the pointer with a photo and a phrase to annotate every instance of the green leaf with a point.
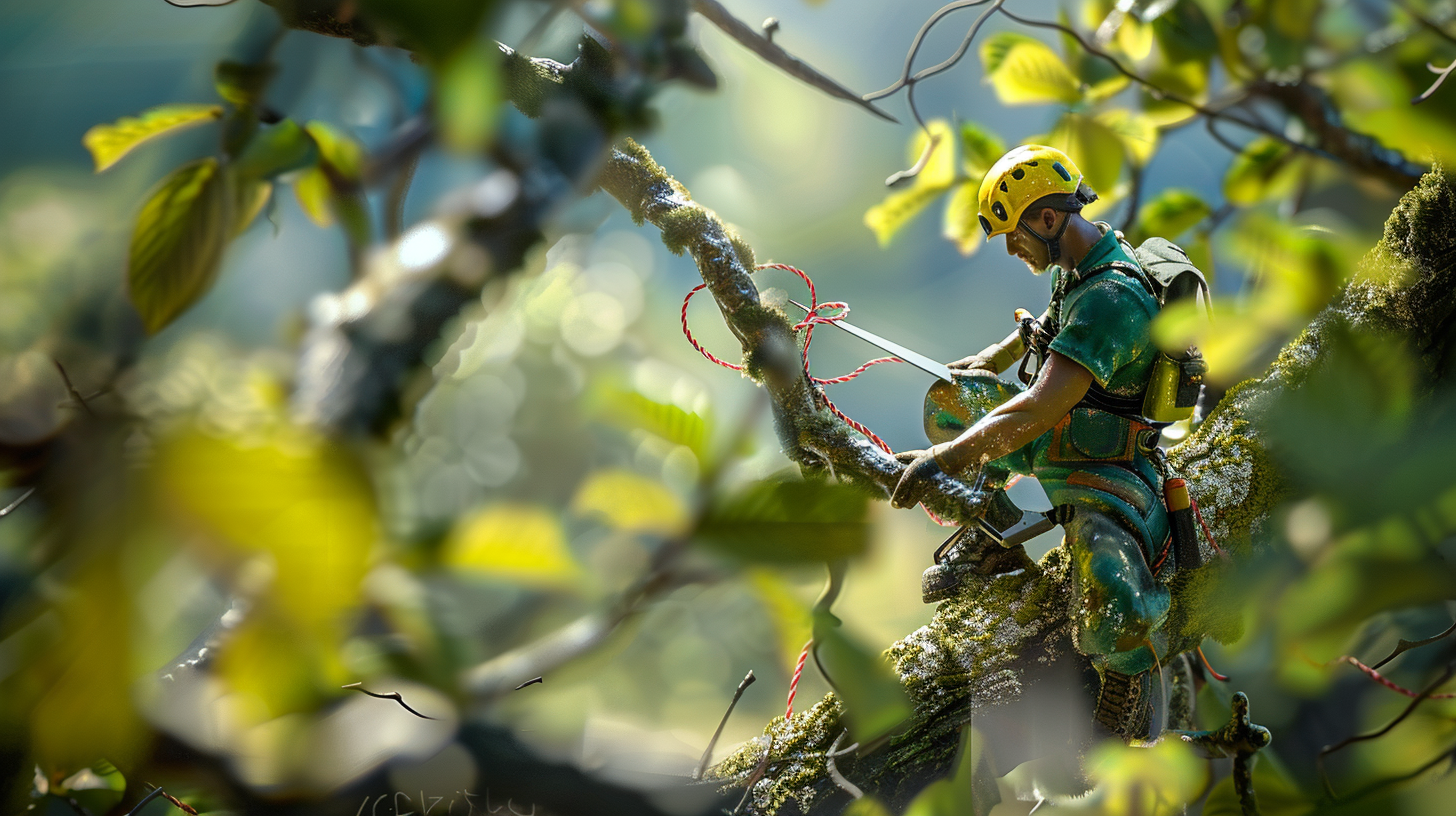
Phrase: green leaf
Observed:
(275, 150)
(313, 191)
(962, 227)
(997, 46)
(469, 97)
(1262, 171)
(793, 620)
(242, 84)
(252, 197)
(627, 501)
(1184, 32)
(1101, 79)
(177, 245)
(1136, 780)
(874, 700)
(899, 208)
(1030, 73)
(1187, 79)
(789, 521)
(1096, 149)
(108, 143)
(1173, 212)
(865, 806)
(518, 542)
(980, 148)
(342, 154)
(632, 409)
(1138, 132)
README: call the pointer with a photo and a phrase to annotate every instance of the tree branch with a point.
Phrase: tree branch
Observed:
(810, 435)
(1301, 100)
(771, 53)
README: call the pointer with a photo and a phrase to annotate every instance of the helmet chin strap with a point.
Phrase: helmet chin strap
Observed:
(1054, 243)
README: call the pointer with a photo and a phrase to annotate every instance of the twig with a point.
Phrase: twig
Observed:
(537, 679)
(1382, 731)
(1406, 645)
(915, 46)
(1425, 21)
(393, 695)
(1449, 753)
(178, 803)
(75, 395)
(754, 777)
(1441, 73)
(834, 774)
(10, 508)
(144, 802)
(1212, 128)
(1134, 198)
(770, 52)
(708, 752)
(1162, 93)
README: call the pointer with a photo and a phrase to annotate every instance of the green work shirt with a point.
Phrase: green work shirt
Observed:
(1106, 328)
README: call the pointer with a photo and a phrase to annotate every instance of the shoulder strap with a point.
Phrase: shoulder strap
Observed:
(1132, 270)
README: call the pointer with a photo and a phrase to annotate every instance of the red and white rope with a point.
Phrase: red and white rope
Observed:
(816, 316)
(794, 683)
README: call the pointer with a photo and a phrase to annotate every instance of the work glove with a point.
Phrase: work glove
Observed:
(974, 362)
(920, 471)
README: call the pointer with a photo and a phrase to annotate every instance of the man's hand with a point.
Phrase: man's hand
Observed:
(921, 469)
(975, 362)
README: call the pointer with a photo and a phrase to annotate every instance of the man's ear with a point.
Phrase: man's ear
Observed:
(1048, 218)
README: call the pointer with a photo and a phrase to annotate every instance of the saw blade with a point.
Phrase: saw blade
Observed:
(914, 358)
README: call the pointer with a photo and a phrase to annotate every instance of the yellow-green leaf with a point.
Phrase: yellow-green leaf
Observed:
(1173, 212)
(108, 143)
(997, 46)
(1093, 146)
(671, 422)
(962, 227)
(276, 149)
(899, 208)
(177, 245)
(1137, 780)
(519, 542)
(627, 501)
(242, 83)
(980, 148)
(789, 521)
(793, 621)
(1187, 79)
(865, 806)
(1260, 172)
(303, 501)
(1138, 132)
(252, 198)
(341, 152)
(469, 97)
(1030, 73)
(314, 193)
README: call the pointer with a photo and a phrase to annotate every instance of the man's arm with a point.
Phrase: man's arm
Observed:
(1019, 420)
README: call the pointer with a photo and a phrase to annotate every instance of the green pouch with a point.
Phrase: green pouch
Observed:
(1089, 435)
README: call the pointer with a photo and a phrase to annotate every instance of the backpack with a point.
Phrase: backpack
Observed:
(1170, 277)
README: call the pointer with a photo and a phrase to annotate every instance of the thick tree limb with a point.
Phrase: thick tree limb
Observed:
(810, 434)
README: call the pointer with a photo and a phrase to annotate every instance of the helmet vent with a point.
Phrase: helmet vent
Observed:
(1018, 174)
(1003, 188)
(1061, 171)
(985, 225)
(998, 211)
(1031, 164)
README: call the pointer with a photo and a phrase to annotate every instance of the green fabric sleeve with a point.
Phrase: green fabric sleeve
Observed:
(1107, 325)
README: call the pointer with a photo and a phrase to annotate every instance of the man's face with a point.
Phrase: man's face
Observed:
(1031, 251)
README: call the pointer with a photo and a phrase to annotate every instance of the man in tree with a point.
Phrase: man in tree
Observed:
(1079, 426)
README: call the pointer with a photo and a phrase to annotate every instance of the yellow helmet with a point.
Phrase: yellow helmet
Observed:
(1023, 176)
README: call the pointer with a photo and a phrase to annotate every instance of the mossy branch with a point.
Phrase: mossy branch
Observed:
(811, 435)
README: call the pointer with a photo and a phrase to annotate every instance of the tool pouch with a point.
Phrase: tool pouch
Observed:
(1174, 387)
(1089, 435)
